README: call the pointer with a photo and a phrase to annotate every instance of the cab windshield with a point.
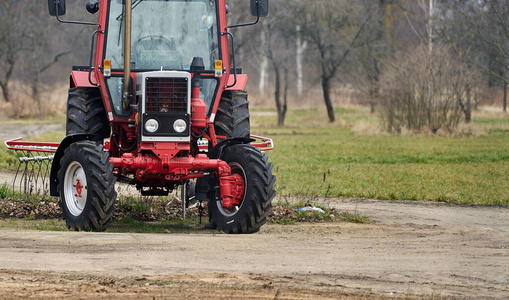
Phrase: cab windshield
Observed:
(166, 34)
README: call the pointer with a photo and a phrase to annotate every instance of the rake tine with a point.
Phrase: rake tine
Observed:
(16, 176)
(32, 173)
(31, 176)
(37, 176)
(34, 165)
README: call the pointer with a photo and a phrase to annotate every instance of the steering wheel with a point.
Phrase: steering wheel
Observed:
(153, 43)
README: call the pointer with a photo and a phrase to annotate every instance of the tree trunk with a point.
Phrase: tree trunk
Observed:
(263, 68)
(468, 111)
(285, 88)
(277, 87)
(371, 98)
(4, 84)
(327, 98)
(504, 101)
(36, 93)
(5, 92)
(263, 76)
(430, 66)
(376, 85)
(300, 47)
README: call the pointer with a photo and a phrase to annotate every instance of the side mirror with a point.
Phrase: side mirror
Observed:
(259, 8)
(56, 7)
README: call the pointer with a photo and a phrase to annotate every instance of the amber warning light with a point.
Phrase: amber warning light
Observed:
(218, 66)
(107, 67)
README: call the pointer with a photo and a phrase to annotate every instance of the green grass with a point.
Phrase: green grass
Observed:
(8, 158)
(51, 119)
(26, 223)
(49, 136)
(491, 121)
(5, 191)
(318, 159)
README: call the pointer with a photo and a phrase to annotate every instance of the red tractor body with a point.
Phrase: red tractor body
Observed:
(160, 105)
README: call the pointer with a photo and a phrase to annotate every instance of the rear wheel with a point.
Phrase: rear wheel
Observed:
(232, 118)
(86, 187)
(85, 113)
(255, 205)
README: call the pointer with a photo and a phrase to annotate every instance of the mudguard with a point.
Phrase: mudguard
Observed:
(240, 84)
(79, 78)
(216, 151)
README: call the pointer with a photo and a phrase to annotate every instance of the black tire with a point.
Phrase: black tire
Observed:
(86, 114)
(232, 117)
(253, 211)
(86, 187)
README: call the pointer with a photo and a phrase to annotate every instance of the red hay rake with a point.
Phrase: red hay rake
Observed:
(34, 166)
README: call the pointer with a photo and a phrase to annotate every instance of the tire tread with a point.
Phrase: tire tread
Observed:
(259, 200)
(86, 114)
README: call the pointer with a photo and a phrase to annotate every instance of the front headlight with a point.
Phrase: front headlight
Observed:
(179, 125)
(151, 125)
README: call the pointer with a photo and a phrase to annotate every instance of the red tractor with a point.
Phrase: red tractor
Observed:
(161, 105)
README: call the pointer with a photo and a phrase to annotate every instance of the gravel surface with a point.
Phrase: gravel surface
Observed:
(410, 250)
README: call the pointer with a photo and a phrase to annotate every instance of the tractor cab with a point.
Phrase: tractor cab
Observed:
(165, 36)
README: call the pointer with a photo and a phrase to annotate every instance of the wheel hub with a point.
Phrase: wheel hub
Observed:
(238, 190)
(79, 188)
(75, 188)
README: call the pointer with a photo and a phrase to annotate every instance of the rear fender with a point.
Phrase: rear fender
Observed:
(55, 166)
(215, 153)
(79, 78)
(240, 84)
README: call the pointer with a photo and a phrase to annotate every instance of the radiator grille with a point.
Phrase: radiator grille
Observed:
(166, 94)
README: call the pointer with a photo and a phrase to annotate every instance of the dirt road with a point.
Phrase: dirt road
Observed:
(410, 250)
(8, 132)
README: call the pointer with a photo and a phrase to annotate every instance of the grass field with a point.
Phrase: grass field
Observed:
(313, 158)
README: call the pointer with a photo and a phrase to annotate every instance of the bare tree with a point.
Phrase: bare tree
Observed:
(12, 41)
(377, 40)
(278, 35)
(44, 48)
(492, 28)
(30, 43)
(333, 29)
(481, 30)
(405, 91)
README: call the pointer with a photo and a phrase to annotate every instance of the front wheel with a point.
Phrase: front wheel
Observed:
(87, 187)
(254, 207)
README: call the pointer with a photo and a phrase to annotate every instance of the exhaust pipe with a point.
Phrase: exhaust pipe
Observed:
(126, 97)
